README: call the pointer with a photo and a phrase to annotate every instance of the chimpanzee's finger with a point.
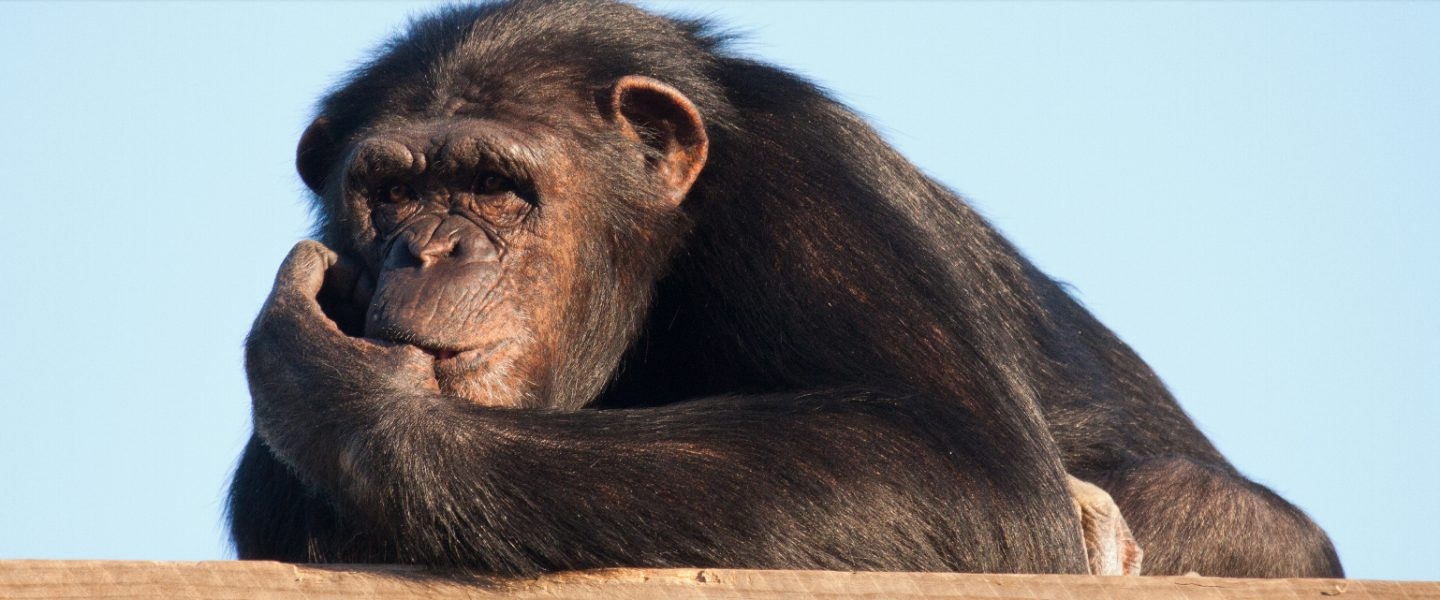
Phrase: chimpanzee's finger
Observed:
(303, 270)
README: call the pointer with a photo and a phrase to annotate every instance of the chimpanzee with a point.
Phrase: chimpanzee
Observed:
(604, 293)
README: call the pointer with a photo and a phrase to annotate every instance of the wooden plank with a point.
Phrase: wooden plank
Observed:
(275, 581)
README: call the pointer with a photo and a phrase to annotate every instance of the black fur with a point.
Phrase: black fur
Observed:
(845, 367)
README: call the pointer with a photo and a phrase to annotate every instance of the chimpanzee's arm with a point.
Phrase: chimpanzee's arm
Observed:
(837, 480)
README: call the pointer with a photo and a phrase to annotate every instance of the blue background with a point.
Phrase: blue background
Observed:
(1247, 193)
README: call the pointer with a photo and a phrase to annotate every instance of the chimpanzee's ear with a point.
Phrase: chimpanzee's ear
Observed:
(316, 154)
(659, 116)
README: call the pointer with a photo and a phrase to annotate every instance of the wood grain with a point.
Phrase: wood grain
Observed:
(270, 580)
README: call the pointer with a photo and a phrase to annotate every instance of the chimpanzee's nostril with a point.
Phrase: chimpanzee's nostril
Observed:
(434, 249)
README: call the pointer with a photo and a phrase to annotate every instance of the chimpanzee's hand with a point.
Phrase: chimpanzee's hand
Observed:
(307, 377)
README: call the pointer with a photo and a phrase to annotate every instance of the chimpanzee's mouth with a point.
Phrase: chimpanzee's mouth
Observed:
(445, 354)
(451, 359)
(441, 354)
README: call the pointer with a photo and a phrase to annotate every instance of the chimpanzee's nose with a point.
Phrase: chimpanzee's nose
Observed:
(451, 239)
(432, 248)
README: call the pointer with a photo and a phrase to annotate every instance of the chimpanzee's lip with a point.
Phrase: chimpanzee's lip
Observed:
(457, 359)
(441, 354)
(449, 354)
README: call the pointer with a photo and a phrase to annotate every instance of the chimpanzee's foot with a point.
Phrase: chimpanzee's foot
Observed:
(1109, 547)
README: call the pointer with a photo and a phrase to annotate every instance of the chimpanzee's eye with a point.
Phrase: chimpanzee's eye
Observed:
(494, 183)
(400, 193)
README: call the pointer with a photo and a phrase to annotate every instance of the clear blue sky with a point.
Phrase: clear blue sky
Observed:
(1247, 193)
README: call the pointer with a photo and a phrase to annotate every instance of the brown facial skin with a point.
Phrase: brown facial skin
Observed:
(467, 268)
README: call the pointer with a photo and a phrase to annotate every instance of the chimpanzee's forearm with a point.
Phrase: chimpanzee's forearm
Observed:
(828, 481)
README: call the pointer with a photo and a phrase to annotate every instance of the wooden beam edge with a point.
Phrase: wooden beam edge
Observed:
(24, 579)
